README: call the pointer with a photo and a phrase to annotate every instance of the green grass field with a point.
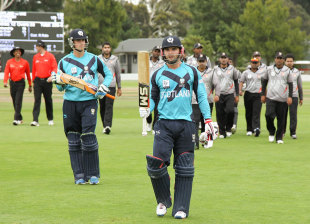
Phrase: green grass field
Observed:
(241, 180)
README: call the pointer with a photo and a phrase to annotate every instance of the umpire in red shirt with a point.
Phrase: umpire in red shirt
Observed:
(43, 64)
(15, 70)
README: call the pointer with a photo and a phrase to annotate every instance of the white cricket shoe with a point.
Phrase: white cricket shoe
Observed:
(148, 126)
(280, 141)
(50, 122)
(271, 138)
(208, 145)
(161, 209)
(15, 122)
(249, 133)
(294, 136)
(180, 215)
(106, 130)
(34, 123)
(221, 136)
(234, 129)
(228, 134)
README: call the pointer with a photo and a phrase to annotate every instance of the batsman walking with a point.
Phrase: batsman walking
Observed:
(172, 87)
(80, 107)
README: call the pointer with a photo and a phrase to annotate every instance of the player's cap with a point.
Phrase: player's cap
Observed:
(279, 54)
(157, 47)
(171, 41)
(40, 43)
(223, 55)
(256, 53)
(17, 48)
(254, 60)
(78, 34)
(198, 45)
(202, 57)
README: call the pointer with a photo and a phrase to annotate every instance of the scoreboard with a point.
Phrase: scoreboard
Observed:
(23, 29)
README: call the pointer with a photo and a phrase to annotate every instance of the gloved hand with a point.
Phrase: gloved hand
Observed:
(144, 112)
(56, 78)
(102, 91)
(210, 134)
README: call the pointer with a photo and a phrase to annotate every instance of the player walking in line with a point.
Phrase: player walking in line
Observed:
(172, 87)
(277, 78)
(106, 104)
(252, 96)
(257, 54)
(297, 91)
(155, 64)
(226, 77)
(80, 107)
(15, 70)
(43, 64)
(192, 60)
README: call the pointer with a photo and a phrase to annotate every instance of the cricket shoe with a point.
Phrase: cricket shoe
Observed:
(80, 181)
(229, 134)
(180, 215)
(257, 132)
(94, 180)
(50, 122)
(148, 126)
(34, 123)
(271, 138)
(234, 129)
(280, 141)
(294, 136)
(161, 209)
(17, 122)
(221, 136)
(107, 130)
(249, 133)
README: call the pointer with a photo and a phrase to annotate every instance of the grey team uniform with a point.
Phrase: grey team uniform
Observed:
(252, 97)
(280, 83)
(227, 79)
(192, 60)
(297, 92)
(153, 67)
(106, 104)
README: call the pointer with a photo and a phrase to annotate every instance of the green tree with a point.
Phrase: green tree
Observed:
(300, 10)
(190, 40)
(35, 5)
(101, 19)
(266, 26)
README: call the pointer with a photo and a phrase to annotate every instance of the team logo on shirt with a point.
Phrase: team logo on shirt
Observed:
(92, 111)
(85, 69)
(273, 73)
(73, 70)
(166, 84)
(182, 82)
(249, 76)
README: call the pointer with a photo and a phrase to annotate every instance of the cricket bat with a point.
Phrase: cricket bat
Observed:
(81, 84)
(144, 84)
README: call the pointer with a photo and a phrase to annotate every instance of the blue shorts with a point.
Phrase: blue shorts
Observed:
(176, 135)
(80, 116)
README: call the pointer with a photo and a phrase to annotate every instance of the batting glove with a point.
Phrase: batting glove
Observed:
(56, 78)
(102, 91)
(210, 128)
(144, 112)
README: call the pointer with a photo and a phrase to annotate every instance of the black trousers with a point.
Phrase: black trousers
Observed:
(293, 116)
(41, 86)
(276, 109)
(202, 120)
(106, 108)
(225, 113)
(17, 93)
(253, 106)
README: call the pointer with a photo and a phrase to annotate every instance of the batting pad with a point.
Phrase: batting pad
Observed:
(160, 179)
(184, 174)
(90, 155)
(76, 155)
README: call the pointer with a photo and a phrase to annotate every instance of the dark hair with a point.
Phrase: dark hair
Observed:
(289, 56)
(106, 43)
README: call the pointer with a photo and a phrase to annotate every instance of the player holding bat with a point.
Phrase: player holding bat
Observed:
(80, 107)
(171, 88)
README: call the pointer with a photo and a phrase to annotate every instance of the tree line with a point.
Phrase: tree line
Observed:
(237, 27)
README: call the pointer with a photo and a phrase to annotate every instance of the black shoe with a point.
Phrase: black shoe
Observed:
(257, 132)
(107, 130)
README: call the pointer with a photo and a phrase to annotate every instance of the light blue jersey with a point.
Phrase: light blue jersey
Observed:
(172, 90)
(86, 68)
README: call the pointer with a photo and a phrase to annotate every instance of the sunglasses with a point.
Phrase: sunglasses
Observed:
(279, 58)
(201, 61)
(223, 57)
(254, 62)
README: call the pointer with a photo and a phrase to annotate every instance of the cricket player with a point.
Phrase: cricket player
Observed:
(80, 107)
(192, 60)
(14, 72)
(252, 96)
(106, 104)
(297, 92)
(279, 82)
(172, 87)
(155, 64)
(227, 78)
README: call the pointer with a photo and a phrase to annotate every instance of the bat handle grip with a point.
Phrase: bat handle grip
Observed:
(110, 96)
